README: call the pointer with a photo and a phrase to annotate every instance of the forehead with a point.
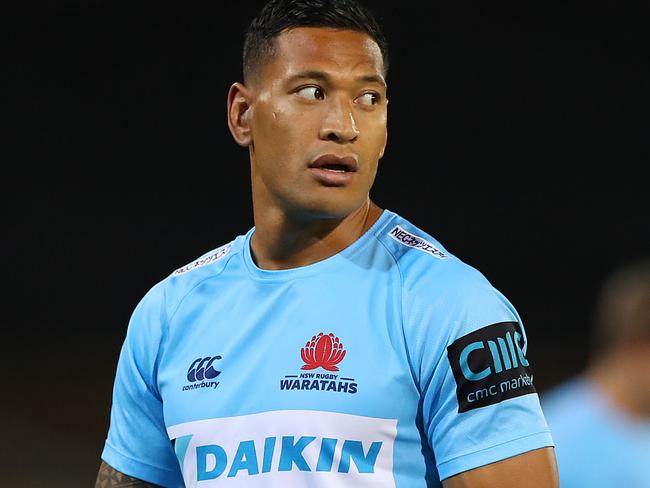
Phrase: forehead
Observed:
(326, 49)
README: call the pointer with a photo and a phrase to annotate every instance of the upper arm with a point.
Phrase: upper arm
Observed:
(469, 348)
(532, 469)
(137, 442)
(109, 477)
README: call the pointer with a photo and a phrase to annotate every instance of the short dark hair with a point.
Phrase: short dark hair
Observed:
(279, 15)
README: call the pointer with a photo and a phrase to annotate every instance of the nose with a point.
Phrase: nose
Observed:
(339, 124)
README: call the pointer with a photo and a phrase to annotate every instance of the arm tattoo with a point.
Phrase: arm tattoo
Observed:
(109, 477)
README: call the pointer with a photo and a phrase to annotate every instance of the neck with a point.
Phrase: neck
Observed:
(618, 383)
(280, 242)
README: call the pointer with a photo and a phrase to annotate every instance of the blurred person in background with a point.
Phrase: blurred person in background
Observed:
(600, 418)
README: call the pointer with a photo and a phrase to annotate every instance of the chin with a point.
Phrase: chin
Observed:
(330, 208)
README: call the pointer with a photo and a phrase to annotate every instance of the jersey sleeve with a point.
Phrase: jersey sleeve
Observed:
(137, 443)
(469, 351)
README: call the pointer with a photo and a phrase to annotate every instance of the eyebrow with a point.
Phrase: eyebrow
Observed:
(322, 76)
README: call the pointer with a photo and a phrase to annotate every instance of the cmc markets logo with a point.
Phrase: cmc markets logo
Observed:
(489, 366)
(322, 351)
(201, 370)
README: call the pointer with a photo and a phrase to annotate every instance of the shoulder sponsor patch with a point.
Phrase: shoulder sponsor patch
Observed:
(210, 258)
(411, 240)
(489, 366)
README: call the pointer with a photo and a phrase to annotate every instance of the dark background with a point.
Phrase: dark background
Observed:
(517, 137)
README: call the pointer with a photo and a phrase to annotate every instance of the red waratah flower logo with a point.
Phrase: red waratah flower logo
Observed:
(324, 351)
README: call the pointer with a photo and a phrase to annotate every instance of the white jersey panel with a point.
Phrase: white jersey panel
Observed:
(286, 449)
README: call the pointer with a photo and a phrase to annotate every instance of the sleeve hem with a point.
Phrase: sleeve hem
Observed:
(493, 454)
(138, 469)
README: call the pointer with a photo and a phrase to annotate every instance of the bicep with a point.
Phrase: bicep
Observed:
(533, 469)
(109, 477)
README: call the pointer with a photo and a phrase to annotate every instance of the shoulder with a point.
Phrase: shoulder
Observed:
(559, 402)
(440, 288)
(168, 292)
(423, 261)
(207, 265)
(566, 391)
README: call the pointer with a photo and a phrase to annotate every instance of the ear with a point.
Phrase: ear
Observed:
(239, 114)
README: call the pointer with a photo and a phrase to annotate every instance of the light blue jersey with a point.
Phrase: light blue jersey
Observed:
(390, 364)
(598, 445)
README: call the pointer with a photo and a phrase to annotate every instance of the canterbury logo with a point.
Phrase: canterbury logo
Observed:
(323, 351)
(202, 369)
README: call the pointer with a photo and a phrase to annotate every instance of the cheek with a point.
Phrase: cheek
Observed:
(374, 128)
(281, 146)
(375, 141)
(382, 143)
(282, 130)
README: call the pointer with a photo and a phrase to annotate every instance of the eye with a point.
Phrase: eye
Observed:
(311, 93)
(370, 98)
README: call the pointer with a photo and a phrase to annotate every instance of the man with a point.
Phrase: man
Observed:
(601, 417)
(335, 344)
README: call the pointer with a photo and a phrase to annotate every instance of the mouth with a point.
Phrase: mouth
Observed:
(336, 164)
(333, 170)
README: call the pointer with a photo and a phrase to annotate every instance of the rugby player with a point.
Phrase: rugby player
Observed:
(334, 343)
